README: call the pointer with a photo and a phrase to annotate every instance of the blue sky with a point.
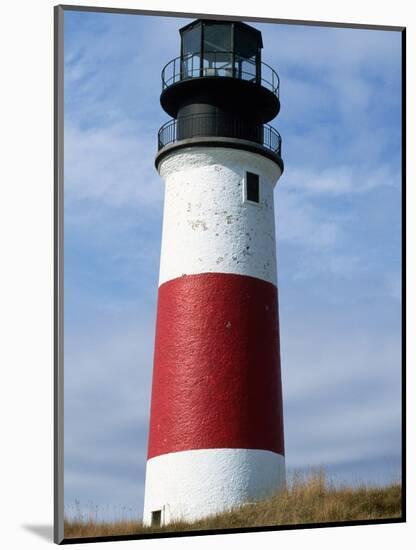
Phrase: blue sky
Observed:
(338, 210)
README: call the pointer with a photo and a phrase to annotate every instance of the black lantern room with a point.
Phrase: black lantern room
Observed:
(220, 48)
(219, 88)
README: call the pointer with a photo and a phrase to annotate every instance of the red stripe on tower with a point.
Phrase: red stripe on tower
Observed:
(216, 380)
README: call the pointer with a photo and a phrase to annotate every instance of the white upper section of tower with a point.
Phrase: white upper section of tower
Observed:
(208, 223)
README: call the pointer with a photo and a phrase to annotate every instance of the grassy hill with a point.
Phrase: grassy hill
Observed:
(310, 499)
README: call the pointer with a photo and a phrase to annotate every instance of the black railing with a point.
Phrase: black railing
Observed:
(224, 64)
(213, 125)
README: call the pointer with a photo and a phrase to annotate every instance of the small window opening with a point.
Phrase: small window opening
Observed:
(156, 518)
(252, 187)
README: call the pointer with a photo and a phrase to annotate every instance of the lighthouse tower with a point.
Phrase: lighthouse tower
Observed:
(216, 421)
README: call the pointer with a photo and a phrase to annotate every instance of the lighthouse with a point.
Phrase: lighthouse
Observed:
(216, 420)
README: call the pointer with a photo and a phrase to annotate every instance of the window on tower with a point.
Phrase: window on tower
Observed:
(252, 187)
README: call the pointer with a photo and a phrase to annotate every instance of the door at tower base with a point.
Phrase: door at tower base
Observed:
(190, 485)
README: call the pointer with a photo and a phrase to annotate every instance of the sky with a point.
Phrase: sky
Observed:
(338, 224)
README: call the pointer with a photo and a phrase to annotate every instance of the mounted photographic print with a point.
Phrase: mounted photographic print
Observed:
(229, 237)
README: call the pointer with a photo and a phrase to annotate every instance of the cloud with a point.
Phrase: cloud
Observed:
(299, 222)
(118, 72)
(394, 286)
(310, 217)
(107, 402)
(112, 165)
(331, 264)
(340, 180)
(314, 49)
(341, 387)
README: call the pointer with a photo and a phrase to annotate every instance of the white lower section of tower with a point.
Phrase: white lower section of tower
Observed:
(208, 225)
(193, 484)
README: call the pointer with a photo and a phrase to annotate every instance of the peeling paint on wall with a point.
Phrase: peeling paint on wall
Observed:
(195, 180)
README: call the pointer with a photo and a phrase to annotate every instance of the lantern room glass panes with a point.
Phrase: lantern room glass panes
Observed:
(191, 40)
(246, 49)
(220, 49)
(217, 56)
(191, 52)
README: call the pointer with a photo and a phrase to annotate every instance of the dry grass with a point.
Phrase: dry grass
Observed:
(308, 499)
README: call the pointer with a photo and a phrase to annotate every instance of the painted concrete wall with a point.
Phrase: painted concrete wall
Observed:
(216, 376)
(206, 225)
(194, 484)
(216, 427)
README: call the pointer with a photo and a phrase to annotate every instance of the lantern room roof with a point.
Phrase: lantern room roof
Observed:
(248, 29)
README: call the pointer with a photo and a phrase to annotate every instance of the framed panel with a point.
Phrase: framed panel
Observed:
(136, 249)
